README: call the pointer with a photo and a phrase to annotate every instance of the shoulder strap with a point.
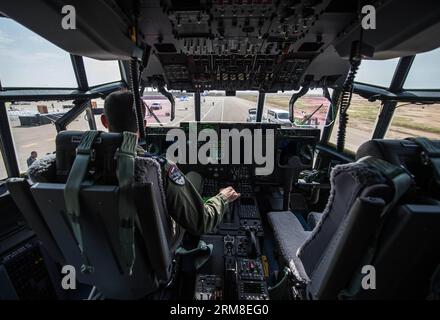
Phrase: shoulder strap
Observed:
(125, 157)
(401, 181)
(84, 154)
(397, 176)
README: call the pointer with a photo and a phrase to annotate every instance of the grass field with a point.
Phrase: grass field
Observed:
(363, 114)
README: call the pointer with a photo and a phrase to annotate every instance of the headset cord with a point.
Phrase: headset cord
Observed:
(345, 101)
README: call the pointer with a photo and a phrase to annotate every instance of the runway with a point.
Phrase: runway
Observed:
(223, 109)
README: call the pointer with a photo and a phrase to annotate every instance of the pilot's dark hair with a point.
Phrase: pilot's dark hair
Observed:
(119, 111)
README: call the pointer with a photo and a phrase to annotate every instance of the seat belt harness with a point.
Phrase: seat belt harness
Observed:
(84, 153)
(125, 157)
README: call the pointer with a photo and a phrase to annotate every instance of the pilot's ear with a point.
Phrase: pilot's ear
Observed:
(104, 121)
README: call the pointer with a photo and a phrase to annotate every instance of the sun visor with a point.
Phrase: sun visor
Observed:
(93, 37)
(399, 30)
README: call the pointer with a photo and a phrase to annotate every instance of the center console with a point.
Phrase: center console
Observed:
(238, 268)
(241, 235)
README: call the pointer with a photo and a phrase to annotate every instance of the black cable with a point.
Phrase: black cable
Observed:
(344, 103)
(137, 103)
(346, 94)
(135, 77)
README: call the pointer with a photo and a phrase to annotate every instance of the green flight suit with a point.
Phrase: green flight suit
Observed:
(184, 203)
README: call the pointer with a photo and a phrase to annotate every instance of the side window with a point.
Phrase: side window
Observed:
(101, 72)
(415, 120)
(33, 129)
(362, 117)
(312, 109)
(28, 60)
(3, 173)
(81, 123)
(377, 72)
(424, 72)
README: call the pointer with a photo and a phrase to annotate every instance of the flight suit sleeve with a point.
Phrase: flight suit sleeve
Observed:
(185, 205)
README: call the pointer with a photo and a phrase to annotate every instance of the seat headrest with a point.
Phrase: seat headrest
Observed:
(404, 153)
(102, 164)
(397, 152)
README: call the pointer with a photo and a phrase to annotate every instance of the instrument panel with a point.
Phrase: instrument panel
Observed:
(277, 145)
(239, 45)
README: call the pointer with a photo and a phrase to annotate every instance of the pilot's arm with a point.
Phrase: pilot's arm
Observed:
(186, 206)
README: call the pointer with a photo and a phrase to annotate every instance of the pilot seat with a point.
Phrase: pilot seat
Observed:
(98, 207)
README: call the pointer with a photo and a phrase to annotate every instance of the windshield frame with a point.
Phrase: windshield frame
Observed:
(390, 96)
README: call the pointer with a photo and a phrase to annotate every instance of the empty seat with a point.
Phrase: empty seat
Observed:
(360, 193)
(346, 187)
(288, 232)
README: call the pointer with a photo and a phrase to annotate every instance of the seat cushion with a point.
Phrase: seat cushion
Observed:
(288, 232)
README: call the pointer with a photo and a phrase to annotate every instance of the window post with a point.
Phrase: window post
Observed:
(260, 106)
(7, 144)
(330, 120)
(386, 113)
(80, 72)
(197, 108)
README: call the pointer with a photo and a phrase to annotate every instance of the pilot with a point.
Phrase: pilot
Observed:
(184, 203)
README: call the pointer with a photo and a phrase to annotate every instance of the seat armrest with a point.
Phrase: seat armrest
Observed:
(313, 219)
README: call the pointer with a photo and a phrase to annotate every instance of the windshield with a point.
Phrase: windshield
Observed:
(215, 107)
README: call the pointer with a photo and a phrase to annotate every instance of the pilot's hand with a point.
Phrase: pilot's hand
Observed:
(230, 194)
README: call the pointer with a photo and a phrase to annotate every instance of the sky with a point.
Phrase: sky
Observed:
(27, 60)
